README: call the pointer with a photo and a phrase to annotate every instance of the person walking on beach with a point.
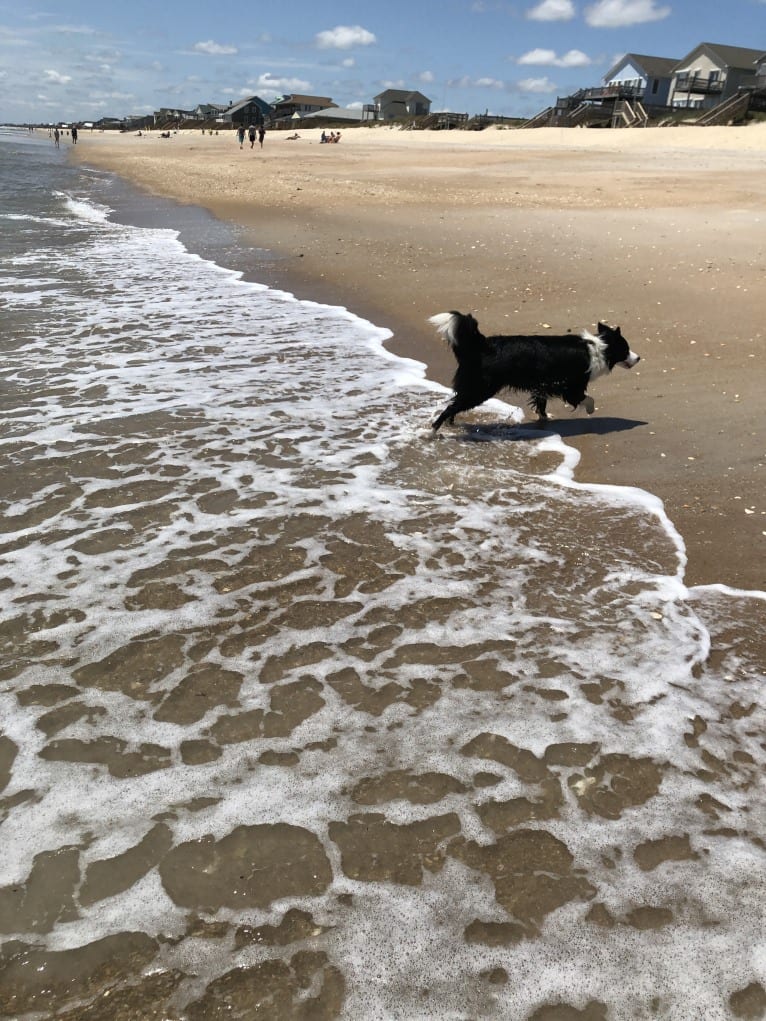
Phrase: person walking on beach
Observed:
(241, 135)
(261, 135)
(74, 134)
(251, 135)
(56, 137)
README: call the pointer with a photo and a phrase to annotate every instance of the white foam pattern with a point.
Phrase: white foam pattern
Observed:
(209, 477)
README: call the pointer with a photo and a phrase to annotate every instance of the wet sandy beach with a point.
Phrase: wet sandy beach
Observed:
(307, 715)
(661, 231)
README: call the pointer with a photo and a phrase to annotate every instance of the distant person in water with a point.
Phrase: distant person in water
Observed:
(74, 134)
(251, 135)
(56, 137)
(261, 135)
(241, 136)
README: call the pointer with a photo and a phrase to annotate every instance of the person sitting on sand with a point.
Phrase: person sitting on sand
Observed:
(323, 137)
(292, 138)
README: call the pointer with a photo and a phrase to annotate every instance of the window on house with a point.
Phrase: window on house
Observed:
(655, 86)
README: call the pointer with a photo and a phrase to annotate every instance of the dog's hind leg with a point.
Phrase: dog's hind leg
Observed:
(539, 403)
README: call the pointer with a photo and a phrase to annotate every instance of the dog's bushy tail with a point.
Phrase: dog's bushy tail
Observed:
(460, 331)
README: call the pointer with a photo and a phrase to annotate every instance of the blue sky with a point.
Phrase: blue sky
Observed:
(85, 59)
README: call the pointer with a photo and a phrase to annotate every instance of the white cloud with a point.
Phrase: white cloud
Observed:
(475, 83)
(574, 58)
(343, 37)
(9, 38)
(427, 76)
(618, 13)
(549, 58)
(267, 84)
(552, 10)
(348, 62)
(73, 29)
(543, 84)
(122, 96)
(214, 49)
(538, 57)
(59, 79)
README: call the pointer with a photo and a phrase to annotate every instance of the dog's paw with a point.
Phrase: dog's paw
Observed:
(589, 404)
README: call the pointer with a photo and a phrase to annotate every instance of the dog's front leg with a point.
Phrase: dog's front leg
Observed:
(440, 419)
(449, 413)
(577, 397)
(456, 405)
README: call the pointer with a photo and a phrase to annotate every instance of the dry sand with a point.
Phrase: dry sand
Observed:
(658, 230)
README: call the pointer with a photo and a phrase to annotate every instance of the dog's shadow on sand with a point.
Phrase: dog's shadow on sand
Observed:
(496, 432)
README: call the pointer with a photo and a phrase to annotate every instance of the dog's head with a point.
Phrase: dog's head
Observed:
(617, 348)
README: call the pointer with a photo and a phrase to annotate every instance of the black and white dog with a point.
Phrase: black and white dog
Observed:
(543, 367)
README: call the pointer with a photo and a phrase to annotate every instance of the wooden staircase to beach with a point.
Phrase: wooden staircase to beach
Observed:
(585, 115)
(629, 115)
(443, 121)
(540, 120)
(732, 109)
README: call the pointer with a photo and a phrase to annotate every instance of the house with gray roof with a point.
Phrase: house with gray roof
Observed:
(295, 106)
(171, 116)
(208, 111)
(335, 115)
(252, 110)
(645, 78)
(711, 74)
(395, 103)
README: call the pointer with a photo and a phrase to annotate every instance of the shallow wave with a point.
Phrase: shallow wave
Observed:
(395, 726)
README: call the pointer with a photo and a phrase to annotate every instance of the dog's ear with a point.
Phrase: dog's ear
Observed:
(605, 330)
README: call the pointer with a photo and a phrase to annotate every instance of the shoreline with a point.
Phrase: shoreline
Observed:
(652, 230)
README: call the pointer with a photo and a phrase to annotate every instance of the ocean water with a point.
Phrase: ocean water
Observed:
(306, 714)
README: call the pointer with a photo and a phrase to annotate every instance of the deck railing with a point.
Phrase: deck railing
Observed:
(700, 84)
(617, 91)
